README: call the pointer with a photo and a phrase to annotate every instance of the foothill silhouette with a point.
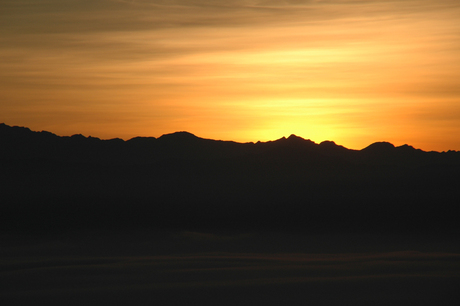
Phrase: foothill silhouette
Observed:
(180, 181)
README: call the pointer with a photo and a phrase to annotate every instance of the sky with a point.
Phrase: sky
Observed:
(351, 71)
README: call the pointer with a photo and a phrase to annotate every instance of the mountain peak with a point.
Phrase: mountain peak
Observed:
(328, 143)
(294, 137)
(382, 146)
(406, 147)
(181, 135)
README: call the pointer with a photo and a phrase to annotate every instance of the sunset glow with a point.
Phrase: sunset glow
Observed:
(354, 72)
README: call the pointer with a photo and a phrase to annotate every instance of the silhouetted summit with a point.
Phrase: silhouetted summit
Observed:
(332, 147)
(294, 138)
(179, 136)
(380, 147)
(182, 181)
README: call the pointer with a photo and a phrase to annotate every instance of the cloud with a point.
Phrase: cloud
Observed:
(164, 57)
(73, 16)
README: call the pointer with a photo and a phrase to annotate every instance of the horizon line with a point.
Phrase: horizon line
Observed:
(223, 140)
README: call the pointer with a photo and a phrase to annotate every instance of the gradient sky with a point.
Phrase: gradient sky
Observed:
(354, 72)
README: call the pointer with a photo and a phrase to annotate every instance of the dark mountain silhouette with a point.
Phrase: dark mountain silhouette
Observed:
(181, 181)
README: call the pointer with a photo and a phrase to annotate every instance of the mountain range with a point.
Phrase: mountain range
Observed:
(181, 181)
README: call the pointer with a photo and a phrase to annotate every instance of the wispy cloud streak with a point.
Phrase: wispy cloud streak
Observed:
(259, 67)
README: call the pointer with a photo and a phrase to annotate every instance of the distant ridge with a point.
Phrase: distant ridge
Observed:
(10, 132)
(21, 142)
(181, 181)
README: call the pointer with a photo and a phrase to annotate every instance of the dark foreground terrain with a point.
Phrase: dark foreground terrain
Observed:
(180, 220)
(190, 268)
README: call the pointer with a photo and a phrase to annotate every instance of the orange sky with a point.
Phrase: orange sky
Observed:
(354, 72)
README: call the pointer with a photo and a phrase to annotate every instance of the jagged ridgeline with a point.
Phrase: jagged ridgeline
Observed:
(181, 181)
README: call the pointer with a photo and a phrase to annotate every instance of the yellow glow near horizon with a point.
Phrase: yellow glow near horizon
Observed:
(351, 72)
